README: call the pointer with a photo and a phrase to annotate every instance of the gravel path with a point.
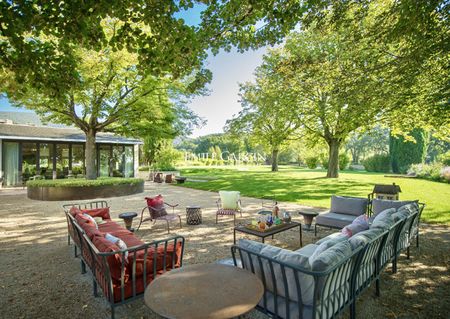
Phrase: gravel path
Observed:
(40, 278)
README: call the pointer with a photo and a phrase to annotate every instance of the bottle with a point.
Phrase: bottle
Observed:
(275, 211)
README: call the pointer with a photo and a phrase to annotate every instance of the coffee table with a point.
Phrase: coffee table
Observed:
(271, 232)
(308, 217)
(204, 291)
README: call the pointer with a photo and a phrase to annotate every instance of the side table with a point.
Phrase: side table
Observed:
(193, 215)
(128, 219)
(308, 218)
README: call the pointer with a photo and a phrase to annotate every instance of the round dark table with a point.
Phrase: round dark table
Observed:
(128, 219)
(193, 215)
(308, 218)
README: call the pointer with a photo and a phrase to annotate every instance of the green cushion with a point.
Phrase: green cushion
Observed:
(229, 199)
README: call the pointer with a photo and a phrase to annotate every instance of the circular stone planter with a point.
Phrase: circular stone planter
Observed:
(84, 192)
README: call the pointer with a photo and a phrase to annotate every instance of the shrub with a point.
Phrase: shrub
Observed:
(378, 163)
(81, 182)
(344, 160)
(404, 153)
(444, 158)
(312, 162)
(166, 158)
(435, 171)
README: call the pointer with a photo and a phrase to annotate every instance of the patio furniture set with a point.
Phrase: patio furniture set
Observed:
(320, 280)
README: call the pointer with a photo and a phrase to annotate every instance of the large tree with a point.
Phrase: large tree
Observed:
(110, 94)
(268, 114)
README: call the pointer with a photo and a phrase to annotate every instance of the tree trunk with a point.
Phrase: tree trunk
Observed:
(333, 158)
(275, 160)
(91, 169)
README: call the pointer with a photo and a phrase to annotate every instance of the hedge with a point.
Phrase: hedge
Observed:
(82, 182)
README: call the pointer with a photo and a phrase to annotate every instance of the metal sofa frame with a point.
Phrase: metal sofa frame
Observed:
(100, 270)
(333, 289)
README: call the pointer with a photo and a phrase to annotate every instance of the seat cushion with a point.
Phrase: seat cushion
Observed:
(98, 212)
(307, 250)
(284, 256)
(334, 220)
(379, 205)
(281, 307)
(332, 256)
(364, 237)
(384, 219)
(229, 199)
(114, 261)
(349, 205)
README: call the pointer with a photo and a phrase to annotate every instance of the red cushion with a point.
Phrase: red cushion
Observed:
(155, 202)
(114, 261)
(74, 211)
(90, 230)
(83, 219)
(116, 230)
(98, 212)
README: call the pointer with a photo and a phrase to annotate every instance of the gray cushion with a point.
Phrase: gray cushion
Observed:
(364, 237)
(281, 306)
(402, 213)
(324, 246)
(307, 250)
(332, 256)
(378, 205)
(285, 256)
(349, 205)
(384, 219)
(332, 236)
(334, 220)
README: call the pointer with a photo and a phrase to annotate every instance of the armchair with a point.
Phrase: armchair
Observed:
(228, 204)
(157, 211)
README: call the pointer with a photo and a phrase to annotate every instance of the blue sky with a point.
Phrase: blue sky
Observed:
(229, 69)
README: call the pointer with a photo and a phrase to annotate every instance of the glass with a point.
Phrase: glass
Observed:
(117, 161)
(129, 162)
(46, 160)
(29, 160)
(77, 159)
(104, 158)
(11, 163)
(62, 160)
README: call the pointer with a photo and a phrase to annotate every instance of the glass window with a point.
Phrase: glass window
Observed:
(46, 160)
(77, 159)
(129, 162)
(117, 161)
(104, 158)
(29, 160)
(62, 160)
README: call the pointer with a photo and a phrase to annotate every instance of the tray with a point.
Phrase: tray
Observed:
(256, 228)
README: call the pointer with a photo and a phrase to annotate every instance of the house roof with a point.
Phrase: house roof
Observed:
(27, 118)
(387, 189)
(45, 133)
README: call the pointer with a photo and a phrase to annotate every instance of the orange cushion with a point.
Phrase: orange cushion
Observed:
(83, 219)
(98, 212)
(114, 261)
(90, 230)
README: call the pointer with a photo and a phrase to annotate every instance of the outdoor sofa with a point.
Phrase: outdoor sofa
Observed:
(343, 210)
(324, 279)
(122, 273)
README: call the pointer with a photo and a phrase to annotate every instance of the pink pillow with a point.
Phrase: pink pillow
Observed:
(359, 224)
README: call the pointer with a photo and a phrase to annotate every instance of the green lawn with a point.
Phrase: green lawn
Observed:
(310, 187)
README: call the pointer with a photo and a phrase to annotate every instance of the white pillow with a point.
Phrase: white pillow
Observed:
(119, 242)
(91, 218)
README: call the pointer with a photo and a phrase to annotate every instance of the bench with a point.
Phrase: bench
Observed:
(324, 279)
(121, 274)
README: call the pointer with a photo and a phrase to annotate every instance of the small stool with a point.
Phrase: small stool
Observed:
(308, 219)
(193, 215)
(128, 219)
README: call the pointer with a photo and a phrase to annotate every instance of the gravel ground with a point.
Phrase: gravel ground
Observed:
(40, 278)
